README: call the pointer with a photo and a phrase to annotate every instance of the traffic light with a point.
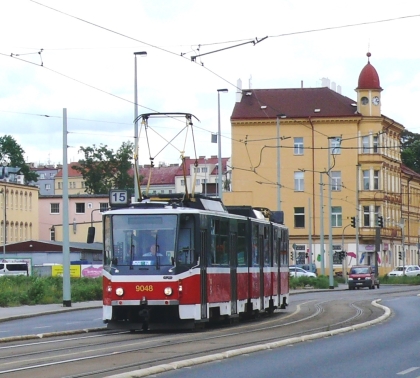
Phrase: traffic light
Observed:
(380, 221)
(399, 255)
(291, 255)
(353, 222)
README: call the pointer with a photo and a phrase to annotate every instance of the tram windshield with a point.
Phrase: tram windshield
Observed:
(137, 240)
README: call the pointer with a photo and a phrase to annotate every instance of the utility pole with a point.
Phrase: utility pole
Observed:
(331, 261)
(321, 226)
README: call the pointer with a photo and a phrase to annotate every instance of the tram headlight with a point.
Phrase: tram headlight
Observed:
(168, 291)
(119, 291)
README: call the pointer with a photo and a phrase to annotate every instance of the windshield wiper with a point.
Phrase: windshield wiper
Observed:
(131, 252)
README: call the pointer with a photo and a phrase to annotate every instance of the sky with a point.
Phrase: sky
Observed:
(79, 55)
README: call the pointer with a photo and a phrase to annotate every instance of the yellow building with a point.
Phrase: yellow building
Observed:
(323, 158)
(76, 182)
(19, 212)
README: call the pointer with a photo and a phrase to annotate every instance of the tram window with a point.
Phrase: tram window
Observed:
(241, 245)
(219, 242)
(267, 259)
(255, 258)
(275, 248)
(132, 238)
(186, 252)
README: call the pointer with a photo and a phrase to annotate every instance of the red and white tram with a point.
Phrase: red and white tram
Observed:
(182, 263)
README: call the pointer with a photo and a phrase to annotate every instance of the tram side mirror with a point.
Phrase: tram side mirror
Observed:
(91, 235)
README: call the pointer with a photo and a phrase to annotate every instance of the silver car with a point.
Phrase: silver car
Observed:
(299, 272)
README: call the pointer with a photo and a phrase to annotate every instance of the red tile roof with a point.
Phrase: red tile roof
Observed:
(293, 103)
(71, 172)
(166, 175)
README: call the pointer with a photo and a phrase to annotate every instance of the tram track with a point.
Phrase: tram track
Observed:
(90, 356)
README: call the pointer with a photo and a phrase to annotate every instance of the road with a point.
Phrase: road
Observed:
(104, 353)
(387, 350)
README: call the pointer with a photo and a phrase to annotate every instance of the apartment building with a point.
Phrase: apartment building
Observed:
(19, 213)
(323, 159)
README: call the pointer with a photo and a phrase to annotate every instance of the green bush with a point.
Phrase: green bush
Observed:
(400, 280)
(22, 290)
(320, 282)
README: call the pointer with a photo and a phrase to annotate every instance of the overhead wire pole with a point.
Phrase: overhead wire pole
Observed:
(136, 129)
(219, 146)
(357, 212)
(321, 225)
(66, 249)
(331, 261)
(278, 161)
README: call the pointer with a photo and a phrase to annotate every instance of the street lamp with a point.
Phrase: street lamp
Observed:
(3, 191)
(278, 160)
(136, 127)
(219, 142)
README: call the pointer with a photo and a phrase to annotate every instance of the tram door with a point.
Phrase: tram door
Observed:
(233, 271)
(203, 273)
(261, 264)
(277, 237)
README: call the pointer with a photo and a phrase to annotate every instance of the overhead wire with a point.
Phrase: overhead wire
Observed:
(183, 55)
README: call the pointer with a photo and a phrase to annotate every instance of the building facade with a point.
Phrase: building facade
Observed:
(46, 178)
(19, 213)
(84, 211)
(325, 159)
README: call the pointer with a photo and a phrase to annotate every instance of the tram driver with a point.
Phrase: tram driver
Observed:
(152, 251)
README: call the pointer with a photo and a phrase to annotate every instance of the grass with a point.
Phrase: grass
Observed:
(322, 282)
(22, 290)
(403, 280)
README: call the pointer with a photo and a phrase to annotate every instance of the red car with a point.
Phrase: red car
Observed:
(362, 276)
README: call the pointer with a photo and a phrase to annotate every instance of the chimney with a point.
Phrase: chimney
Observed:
(325, 82)
(239, 90)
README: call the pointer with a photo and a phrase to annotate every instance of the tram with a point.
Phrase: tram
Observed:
(183, 262)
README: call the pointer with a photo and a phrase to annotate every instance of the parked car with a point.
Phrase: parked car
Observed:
(362, 276)
(407, 270)
(307, 267)
(299, 272)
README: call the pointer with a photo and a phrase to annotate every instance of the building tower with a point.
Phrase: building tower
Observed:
(369, 91)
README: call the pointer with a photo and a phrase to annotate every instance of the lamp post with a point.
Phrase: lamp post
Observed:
(136, 127)
(3, 191)
(219, 145)
(278, 161)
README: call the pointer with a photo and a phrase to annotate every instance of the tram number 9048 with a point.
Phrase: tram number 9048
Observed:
(144, 288)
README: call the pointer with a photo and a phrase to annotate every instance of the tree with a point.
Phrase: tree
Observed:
(11, 155)
(102, 169)
(410, 150)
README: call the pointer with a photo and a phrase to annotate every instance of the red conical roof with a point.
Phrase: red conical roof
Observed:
(369, 78)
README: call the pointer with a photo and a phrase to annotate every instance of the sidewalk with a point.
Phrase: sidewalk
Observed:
(21, 312)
